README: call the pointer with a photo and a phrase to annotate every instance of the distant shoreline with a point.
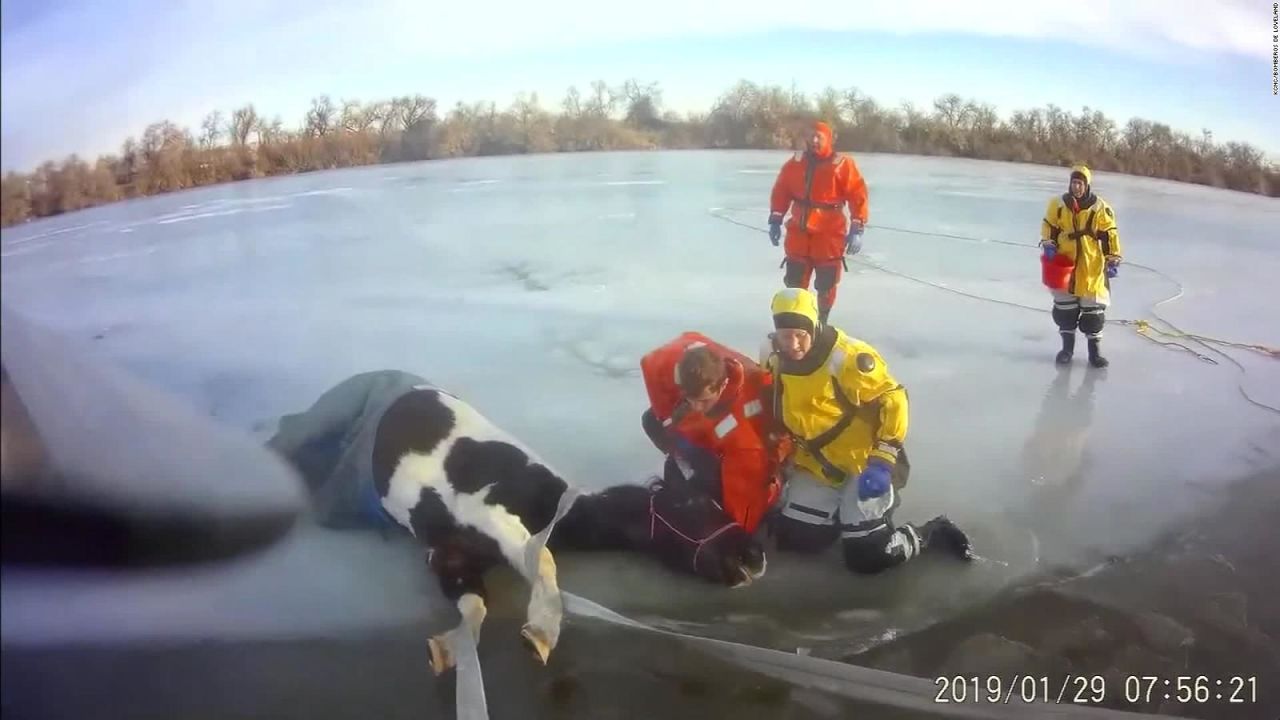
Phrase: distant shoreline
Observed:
(245, 145)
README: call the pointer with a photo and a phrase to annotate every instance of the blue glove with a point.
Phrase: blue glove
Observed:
(853, 242)
(1050, 250)
(775, 229)
(875, 479)
(681, 446)
(1113, 269)
(853, 239)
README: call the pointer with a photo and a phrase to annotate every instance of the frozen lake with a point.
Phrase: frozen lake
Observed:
(532, 285)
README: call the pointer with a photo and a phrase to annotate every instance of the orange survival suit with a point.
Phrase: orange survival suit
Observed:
(736, 431)
(815, 185)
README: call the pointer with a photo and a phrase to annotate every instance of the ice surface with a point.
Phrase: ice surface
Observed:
(532, 285)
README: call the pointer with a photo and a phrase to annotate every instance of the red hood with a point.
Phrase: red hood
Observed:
(823, 148)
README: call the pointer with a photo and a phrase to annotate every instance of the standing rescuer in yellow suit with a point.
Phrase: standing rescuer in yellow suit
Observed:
(847, 415)
(1081, 226)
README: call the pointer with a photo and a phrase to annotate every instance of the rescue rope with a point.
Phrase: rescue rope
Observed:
(864, 685)
(1144, 328)
(655, 517)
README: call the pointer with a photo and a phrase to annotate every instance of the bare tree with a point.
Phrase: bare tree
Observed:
(359, 119)
(951, 110)
(211, 130)
(167, 157)
(416, 109)
(270, 132)
(644, 104)
(319, 120)
(243, 122)
(829, 106)
(602, 101)
(572, 104)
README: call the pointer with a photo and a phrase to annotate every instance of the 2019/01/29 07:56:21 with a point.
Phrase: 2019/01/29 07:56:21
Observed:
(1092, 689)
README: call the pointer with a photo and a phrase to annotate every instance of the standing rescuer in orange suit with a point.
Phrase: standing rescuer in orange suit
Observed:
(815, 186)
(710, 413)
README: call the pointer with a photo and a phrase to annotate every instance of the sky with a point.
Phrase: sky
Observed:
(79, 76)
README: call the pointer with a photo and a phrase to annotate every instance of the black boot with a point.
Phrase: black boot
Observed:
(1068, 348)
(942, 534)
(1095, 355)
(823, 313)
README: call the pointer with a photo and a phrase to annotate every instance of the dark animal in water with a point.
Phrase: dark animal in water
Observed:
(686, 529)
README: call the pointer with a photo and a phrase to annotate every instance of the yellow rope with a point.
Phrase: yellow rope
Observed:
(1145, 326)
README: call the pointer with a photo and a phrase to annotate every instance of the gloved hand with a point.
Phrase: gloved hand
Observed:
(680, 446)
(853, 240)
(875, 479)
(775, 228)
(773, 491)
(1113, 267)
(1050, 249)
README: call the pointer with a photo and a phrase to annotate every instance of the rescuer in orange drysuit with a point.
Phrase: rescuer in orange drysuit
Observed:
(710, 413)
(815, 185)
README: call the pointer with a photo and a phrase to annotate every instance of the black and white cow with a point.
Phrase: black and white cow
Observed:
(477, 498)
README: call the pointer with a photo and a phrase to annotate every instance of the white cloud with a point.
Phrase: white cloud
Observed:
(74, 77)
(462, 30)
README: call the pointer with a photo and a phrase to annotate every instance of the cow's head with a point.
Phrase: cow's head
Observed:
(692, 525)
(739, 558)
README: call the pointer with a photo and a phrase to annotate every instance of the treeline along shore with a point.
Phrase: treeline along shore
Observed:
(243, 144)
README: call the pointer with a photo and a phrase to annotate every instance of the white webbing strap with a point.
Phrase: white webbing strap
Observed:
(861, 684)
(469, 695)
(853, 681)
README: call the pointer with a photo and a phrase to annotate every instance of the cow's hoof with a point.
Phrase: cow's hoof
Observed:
(536, 641)
(441, 657)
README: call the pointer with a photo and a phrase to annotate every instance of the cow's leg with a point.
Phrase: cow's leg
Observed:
(462, 582)
(541, 631)
(473, 611)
